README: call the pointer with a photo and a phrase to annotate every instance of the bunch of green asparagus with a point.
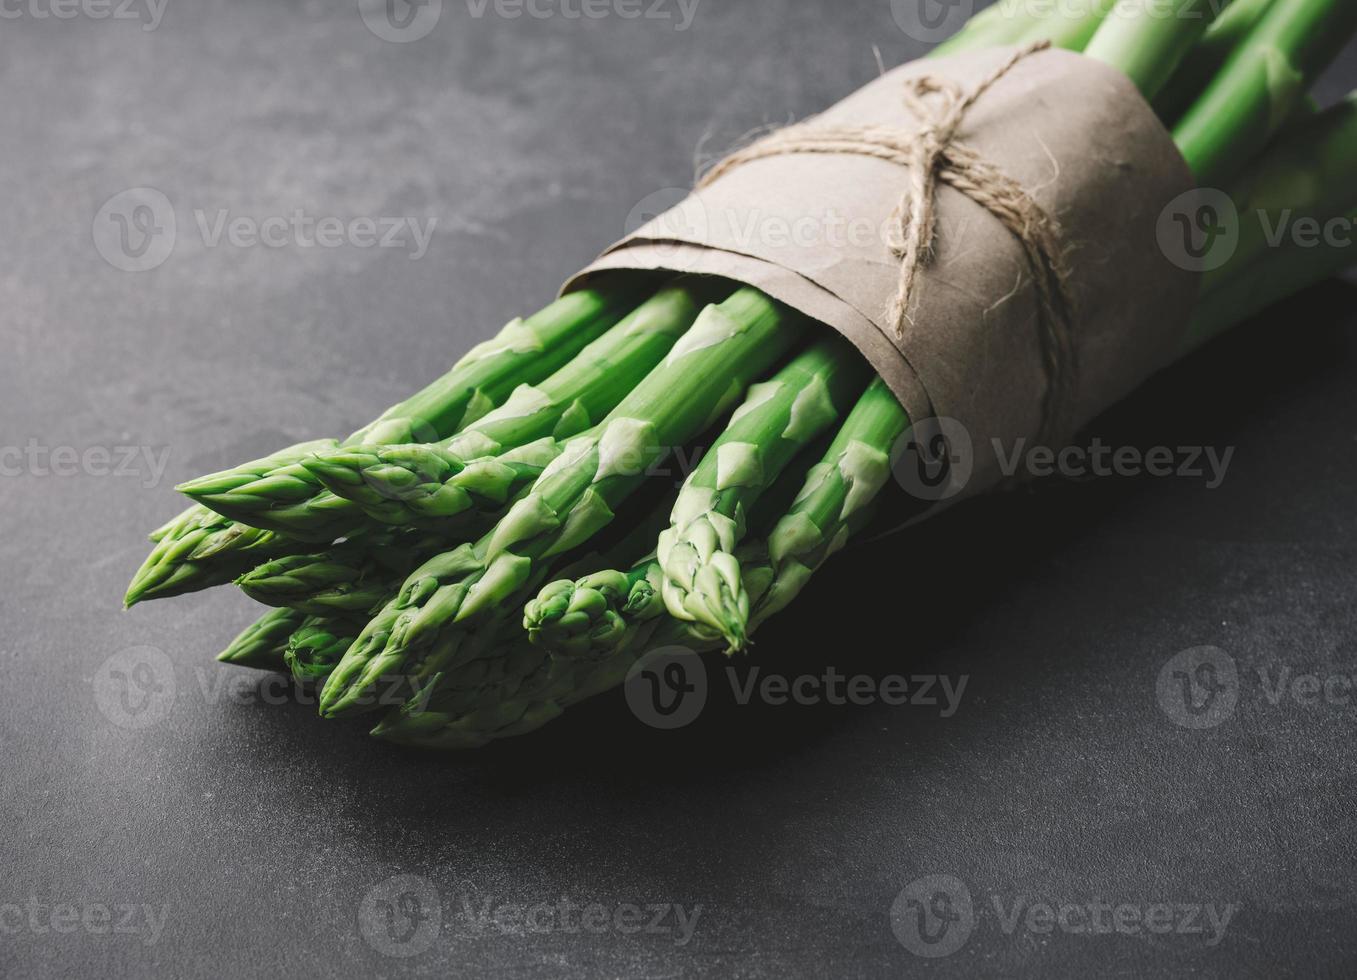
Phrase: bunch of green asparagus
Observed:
(498, 546)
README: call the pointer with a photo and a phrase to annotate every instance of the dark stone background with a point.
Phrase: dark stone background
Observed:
(259, 830)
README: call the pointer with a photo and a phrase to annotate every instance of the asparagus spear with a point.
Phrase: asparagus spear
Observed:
(507, 688)
(1069, 28)
(316, 646)
(420, 484)
(1309, 172)
(1002, 23)
(263, 643)
(836, 498)
(1255, 92)
(596, 627)
(602, 613)
(517, 687)
(575, 496)
(778, 418)
(1218, 42)
(290, 498)
(598, 614)
(200, 549)
(354, 577)
(1139, 39)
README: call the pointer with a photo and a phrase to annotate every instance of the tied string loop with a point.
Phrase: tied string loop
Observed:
(932, 153)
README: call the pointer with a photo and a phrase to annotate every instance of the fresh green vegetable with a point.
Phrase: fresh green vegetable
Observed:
(1258, 87)
(200, 549)
(1222, 36)
(487, 463)
(1148, 40)
(316, 646)
(290, 498)
(777, 420)
(264, 642)
(418, 543)
(710, 366)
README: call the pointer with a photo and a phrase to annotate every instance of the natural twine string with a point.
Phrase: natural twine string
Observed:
(932, 153)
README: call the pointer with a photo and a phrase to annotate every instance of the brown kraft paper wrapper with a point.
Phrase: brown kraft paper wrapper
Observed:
(809, 230)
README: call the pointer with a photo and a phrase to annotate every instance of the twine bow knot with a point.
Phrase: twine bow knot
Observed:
(932, 153)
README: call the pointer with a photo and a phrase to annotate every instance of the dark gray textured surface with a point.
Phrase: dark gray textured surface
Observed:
(257, 831)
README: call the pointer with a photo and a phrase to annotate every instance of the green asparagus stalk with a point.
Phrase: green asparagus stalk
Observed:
(353, 578)
(1147, 41)
(316, 646)
(595, 616)
(836, 498)
(1002, 23)
(264, 642)
(478, 469)
(1224, 34)
(1307, 173)
(200, 549)
(421, 485)
(607, 621)
(602, 613)
(291, 499)
(518, 687)
(777, 420)
(707, 369)
(1254, 94)
(509, 689)
(1072, 28)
